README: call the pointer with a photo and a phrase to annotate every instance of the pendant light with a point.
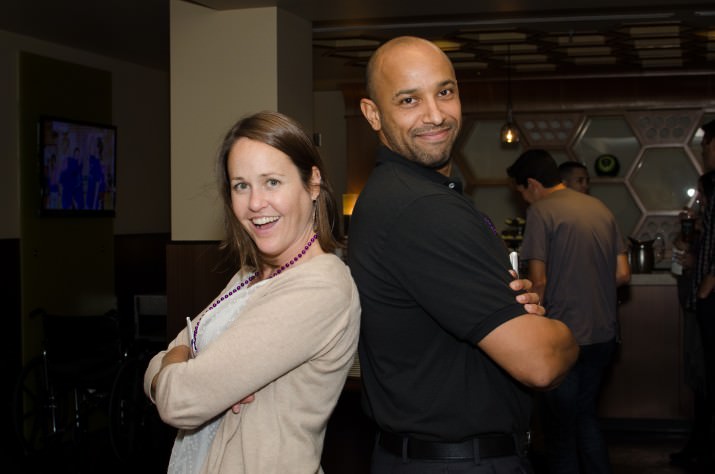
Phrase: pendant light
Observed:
(509, 134)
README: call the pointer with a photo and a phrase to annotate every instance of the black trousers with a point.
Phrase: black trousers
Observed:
(705, 314)
(384, 462)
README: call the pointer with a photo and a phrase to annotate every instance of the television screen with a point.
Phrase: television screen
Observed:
(78, 167)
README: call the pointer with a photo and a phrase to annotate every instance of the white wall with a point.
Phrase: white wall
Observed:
(9, 136)
(224, 65)
(140, 106)
(329, 122)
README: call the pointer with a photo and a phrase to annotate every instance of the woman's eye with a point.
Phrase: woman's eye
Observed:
(240, 186)
(273, 182)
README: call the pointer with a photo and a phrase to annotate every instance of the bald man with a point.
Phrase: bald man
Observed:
(449, 350)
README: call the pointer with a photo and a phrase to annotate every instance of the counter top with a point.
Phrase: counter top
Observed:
(653, 279)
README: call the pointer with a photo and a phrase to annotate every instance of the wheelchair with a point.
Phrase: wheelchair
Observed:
(86, 380)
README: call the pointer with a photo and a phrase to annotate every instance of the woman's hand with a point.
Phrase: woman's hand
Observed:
(237, 407)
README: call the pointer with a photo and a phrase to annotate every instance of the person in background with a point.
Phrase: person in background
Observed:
(697, 448)
(707, 146)
(575, 176)
(282, 335)
(447, 351)
(704, 296)
(577, 258)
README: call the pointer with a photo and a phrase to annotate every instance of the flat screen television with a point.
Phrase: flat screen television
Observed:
(78, 167)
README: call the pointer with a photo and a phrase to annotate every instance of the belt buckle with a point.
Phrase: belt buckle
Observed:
(523, 443)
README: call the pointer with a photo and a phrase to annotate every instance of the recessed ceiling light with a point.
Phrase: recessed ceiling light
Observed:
(660, 53)
(493, 36)
(594, 60)
(648, 63)
(645, 31)
(461, 65)
(457, 55)
(446, 45)
(528, 58)
(587, 51)
(657, 43)
(577, 40)
(535, 67)
(346, 43)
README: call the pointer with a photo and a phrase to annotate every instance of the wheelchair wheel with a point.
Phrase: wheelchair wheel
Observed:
(41, 411)
(132, 417)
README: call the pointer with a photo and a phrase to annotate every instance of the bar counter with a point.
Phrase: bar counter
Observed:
(646, 381)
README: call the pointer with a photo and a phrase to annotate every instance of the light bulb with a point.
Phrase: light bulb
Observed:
(509, 134)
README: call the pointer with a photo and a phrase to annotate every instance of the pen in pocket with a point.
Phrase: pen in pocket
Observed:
(190, 334)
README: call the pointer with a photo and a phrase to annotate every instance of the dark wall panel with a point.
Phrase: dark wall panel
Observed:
(67, 263)
(10, 296)
(196, 273)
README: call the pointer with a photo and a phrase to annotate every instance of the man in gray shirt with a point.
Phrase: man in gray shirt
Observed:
(577, 258)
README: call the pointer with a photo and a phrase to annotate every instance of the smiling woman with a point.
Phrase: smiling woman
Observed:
(255, 377)
(270, 200)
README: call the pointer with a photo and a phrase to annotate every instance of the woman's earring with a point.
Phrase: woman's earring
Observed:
(315, 214)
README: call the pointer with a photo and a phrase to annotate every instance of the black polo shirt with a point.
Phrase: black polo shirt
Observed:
(433, 280)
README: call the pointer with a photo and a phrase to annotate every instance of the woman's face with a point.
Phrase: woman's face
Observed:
(269, 199)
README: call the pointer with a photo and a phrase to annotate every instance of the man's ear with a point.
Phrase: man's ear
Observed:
(371, 113)
(533, 184)
(315, 180)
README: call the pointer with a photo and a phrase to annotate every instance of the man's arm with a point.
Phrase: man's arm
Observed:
(623, 270)
(706, 287)
(535, 350)
(537, 274)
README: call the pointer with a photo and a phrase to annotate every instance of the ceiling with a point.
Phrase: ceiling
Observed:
(485, 38)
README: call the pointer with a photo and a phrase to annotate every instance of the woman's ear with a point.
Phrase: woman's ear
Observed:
(315, 180)
(371, 113)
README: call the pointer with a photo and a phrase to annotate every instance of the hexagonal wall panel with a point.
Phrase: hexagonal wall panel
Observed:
(560, 156)
(663, 126)
(607, 135)
(621, 203)
(662, 178)
(482, 152)
(548, 130)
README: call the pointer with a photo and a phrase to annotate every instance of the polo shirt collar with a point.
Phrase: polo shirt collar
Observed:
(385, 155)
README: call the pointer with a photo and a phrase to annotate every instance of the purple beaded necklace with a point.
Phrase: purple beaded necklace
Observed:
(246, 283)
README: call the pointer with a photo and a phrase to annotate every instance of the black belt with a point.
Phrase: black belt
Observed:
(488, 446)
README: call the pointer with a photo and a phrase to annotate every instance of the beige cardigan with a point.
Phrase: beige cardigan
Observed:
(292, 345)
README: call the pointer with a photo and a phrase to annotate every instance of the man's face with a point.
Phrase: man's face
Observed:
(707, 147)
(416, 109)
(578, 180)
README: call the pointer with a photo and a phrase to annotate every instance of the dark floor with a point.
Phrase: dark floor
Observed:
(629, 455)
(649, 455)
(348, 442)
